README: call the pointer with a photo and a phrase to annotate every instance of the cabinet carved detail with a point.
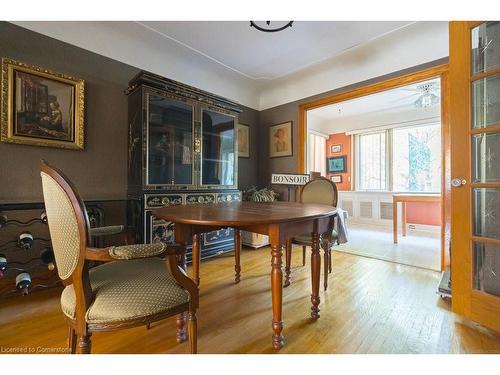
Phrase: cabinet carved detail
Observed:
(200, 198)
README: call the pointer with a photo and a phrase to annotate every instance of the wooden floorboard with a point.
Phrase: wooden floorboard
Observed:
(372, 306)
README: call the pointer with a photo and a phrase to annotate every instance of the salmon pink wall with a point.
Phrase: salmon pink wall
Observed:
(345, 141)
(428, 213)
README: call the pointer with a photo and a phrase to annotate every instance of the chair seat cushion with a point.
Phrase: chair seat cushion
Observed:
(305, 239)
(128, 289)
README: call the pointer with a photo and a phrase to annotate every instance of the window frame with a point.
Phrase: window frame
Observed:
(388, 177)
(388, 158)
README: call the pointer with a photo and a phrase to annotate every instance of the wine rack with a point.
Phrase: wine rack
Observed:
(27, 261)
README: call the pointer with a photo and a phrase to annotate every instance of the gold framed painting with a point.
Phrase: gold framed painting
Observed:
(243, 141)
(41, 107)
(280, 140)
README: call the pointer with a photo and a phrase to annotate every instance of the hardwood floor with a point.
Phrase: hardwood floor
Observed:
(371, 306)
(418, 248)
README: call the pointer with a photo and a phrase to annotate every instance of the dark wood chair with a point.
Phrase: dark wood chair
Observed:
(134, 286)
(322, 191)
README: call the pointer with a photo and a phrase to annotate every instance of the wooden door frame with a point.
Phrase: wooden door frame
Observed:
(438, 71)
(474, 304)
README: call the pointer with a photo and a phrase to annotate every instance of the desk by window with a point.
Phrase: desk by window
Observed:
(404, 198)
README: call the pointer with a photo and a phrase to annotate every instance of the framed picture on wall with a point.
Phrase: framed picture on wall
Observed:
(280, 140)
(243, 141)
(335, 149)
(337, 164)
(41, 107)
(337, 179)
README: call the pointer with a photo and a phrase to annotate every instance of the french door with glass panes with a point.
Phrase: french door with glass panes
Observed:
(475, 167)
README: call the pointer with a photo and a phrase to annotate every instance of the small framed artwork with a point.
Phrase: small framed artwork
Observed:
(280, 140)
(337, 164)
(41, 107)
(337, 179)
(334, 149)
(243, 141)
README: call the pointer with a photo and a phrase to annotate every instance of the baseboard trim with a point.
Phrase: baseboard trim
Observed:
(387, 224)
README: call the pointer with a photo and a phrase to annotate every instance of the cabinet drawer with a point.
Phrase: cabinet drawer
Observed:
(200, 198)
(229, 197)
(162, 200)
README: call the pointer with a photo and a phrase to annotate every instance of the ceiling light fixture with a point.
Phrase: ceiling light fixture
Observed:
(268, 29)
(426, 101)
(427, 97)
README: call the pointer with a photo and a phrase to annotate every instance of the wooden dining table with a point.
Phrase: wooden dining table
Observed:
(278, 220)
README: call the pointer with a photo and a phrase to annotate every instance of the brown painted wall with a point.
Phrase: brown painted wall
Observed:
(290, 112)
(248, 168)
(99, 171)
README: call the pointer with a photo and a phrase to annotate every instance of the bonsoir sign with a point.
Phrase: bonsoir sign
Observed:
(289, 179)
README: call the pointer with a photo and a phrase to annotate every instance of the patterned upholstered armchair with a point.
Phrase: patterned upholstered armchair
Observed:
(109, 230)
(321, 191)
(134, 286)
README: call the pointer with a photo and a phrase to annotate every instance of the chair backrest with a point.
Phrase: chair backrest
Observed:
(67, 220)
(320, 190)
(315, 175)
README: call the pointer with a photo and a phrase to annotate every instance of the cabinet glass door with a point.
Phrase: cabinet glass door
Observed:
(475, 120)
(170, 142)
(218, 162)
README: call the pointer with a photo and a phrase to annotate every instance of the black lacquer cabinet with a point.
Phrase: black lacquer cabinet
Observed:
(182, 150)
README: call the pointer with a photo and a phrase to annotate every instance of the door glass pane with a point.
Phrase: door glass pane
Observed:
(486, 205)
(485, 47)
(486, 155)
(218, 162)
(486, 102)
(170, 140)
(487, 268)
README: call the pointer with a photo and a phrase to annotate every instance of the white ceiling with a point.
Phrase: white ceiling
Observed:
(386, 101)
(265, 56)
(383, 108)
(256, 69)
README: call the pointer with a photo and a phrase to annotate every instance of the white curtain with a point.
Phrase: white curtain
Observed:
(317, 153)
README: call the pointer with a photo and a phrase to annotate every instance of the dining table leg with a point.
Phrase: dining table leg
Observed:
(325, 246)
(395, 220)
(403, 218)
(196, 258)
(181, 236)
(315, 271)
(180, 320)
(277, 294)
(288, 262)
(237, 255)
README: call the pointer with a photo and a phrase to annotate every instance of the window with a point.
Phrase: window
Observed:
(417, 159)
(372, 157)
(317, 153)
(400, 159)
